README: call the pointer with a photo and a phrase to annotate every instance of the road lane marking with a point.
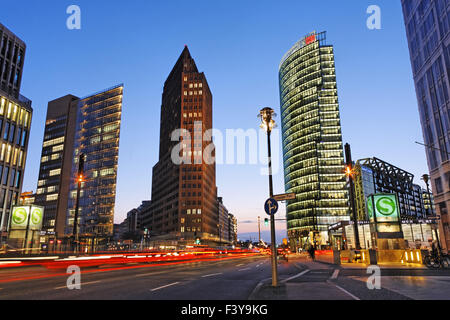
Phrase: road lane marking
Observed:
(150, 274)
(345, 291)
(169, 285)
(335, 274)
(239, 265)
(82, 284)
(212, 275)
(296, 276)
(245, 269)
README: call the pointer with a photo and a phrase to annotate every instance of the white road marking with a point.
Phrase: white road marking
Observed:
(150, 274)
(245, 269)
(82, 284)
(296, 276)
(212, 275)
(169, 285)
(335, 274)
(345, 291)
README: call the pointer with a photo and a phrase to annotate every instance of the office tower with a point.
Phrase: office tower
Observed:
(232, 229)
(55, 174)
(312, 141)
(428, 32)
(15, 123)
(223, 226)
(89, 126)
(184, 195)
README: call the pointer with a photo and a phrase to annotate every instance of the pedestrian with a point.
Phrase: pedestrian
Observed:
(312, 252)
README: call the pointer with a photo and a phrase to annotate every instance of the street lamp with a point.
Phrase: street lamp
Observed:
(268, 124)
(80, 180)
(426, 179)
(350, 173)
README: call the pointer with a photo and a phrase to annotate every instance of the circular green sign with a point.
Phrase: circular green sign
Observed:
(386, 206)
(370, 207)
(19, 216)
(36, 216)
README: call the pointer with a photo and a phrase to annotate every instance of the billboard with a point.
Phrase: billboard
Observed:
(19, 218)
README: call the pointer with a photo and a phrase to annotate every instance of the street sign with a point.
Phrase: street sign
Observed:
(287, 196)
(271, 206)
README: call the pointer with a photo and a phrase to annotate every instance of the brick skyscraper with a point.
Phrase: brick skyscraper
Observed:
(184, 197)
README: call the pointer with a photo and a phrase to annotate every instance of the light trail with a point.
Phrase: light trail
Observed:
(37, 277)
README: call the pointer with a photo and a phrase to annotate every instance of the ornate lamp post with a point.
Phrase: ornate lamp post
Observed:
(268, 124)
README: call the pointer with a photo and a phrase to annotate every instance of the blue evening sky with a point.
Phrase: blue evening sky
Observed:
(238, 44)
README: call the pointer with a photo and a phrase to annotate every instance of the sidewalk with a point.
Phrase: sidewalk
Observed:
(298, 291)
(292, 289)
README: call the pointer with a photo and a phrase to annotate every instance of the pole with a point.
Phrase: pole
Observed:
(259, 229)
(349, 162)
(426, 179)
(272, 220)
(77, 205)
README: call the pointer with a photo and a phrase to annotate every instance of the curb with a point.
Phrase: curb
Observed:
(252, 295)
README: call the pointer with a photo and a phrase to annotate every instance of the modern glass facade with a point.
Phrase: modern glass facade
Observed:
(428, 30)
(97, 137)
(15, 123)
(312, 139)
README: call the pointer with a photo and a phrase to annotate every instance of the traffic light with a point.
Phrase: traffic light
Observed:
(266, 222)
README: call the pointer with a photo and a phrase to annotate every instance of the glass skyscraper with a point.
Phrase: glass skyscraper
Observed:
(15, 124)
(97, 137)
(428, 31)
(312, 141)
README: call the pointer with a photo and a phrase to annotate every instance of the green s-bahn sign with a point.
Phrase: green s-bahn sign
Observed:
(383, 207)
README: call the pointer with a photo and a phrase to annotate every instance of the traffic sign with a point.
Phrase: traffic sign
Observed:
(271, 206)
(287, 196)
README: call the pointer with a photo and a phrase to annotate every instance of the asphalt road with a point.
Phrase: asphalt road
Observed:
(231, 279)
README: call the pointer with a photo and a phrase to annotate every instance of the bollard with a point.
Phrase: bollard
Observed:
(373, 257)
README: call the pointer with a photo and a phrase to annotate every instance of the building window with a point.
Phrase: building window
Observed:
(55, 172)
(438, 184)
(52, 197)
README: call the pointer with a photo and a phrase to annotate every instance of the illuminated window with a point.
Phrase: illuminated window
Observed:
(58, 148)
(52, 197)
(106, 172)
(14, 115)
(16, 152)
(2, 106)
(53, 142)
(44, 159)
(8, 113)
(8, 154)
(55, 172)
(20, 159)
